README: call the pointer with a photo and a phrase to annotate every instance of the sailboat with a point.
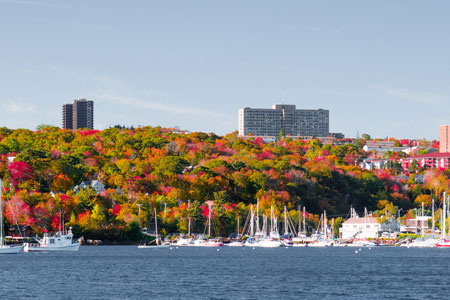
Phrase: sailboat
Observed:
(210, 242)
(423, 242)
(266, 241)
(443, 242)
(322, 239)
(5, 249)
(236, 242)
(289, 230)
(156, 243)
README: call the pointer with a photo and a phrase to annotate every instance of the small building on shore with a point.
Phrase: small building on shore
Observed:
(360, 228)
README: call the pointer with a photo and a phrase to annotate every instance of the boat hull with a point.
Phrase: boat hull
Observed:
(10, 249)
(153, 247)
(32, 248)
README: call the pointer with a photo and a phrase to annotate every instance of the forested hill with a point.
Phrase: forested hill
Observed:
(157, 167)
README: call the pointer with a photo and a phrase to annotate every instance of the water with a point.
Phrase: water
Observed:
(125, 272)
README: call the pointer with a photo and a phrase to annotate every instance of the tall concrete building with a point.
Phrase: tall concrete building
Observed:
(444, 143)
(67, 116)
(78, 115)
(293, 122)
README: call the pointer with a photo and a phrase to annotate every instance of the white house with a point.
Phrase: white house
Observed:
(367, 227)
(94, 184)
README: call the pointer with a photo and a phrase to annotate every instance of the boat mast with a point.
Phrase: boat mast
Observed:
(209, 220)
(1, 215)
(304, 219)
(432, 216)
(156, 226)
(443, 219)
(299, 219)
(325, 224)
(332, 228)
(286, 231)
(271, 219)
(448, 211)
(257, 216)
(238, 226)
(422, 222)
(189, 219)
(252, 216)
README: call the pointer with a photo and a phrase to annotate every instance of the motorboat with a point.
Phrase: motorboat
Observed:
(60, 241)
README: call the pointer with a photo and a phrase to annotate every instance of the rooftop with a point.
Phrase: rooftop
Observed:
(368, 220)
(432, 155)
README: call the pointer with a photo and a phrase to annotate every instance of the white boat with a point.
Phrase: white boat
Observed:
(212, 243)
(154, 246)
(156, 243)
(443, 242)
(268, 243)
(321, 243)
(235, 244)
(263, 243)
(424, 243)
(196, 242)
(182, 241)
(209, 242)
(358, 243)
(59, 242)
(5, 249)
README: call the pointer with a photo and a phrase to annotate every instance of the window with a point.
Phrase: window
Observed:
(52, 241)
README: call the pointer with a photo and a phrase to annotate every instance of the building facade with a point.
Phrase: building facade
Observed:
(67, 116)
(360, 228)
(283, 118)
(444, 145)
(432, 160)
(78, 115)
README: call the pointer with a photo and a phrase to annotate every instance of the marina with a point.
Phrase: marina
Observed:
(205, 273)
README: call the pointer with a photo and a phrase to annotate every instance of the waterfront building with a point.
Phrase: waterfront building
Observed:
(78, 115)
(444, 145)
(360, 228)
(285, 119)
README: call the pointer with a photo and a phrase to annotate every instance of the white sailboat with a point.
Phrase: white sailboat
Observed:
(271, 240)
(157, 240)
(210, 242)
(5, 249)
(237, 242)
(322, 239)
(423, 242)
(443, 242)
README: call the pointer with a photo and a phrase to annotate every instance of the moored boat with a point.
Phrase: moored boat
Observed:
(5, 249)
(59, 242)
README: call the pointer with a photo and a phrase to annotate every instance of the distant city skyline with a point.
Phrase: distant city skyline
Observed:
(379, 67)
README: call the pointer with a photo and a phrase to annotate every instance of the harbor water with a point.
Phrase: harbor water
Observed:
(125, 272)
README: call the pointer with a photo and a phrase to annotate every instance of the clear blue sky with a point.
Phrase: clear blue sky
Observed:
(380, 67)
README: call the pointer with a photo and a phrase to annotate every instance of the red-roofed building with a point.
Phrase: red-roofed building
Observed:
(428, 161)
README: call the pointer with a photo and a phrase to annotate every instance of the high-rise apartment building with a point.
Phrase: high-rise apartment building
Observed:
(67, 116)
(444, 145)
(78, 115)
(286, 118)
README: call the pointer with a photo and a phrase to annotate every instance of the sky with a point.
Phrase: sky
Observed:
(379, 67)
